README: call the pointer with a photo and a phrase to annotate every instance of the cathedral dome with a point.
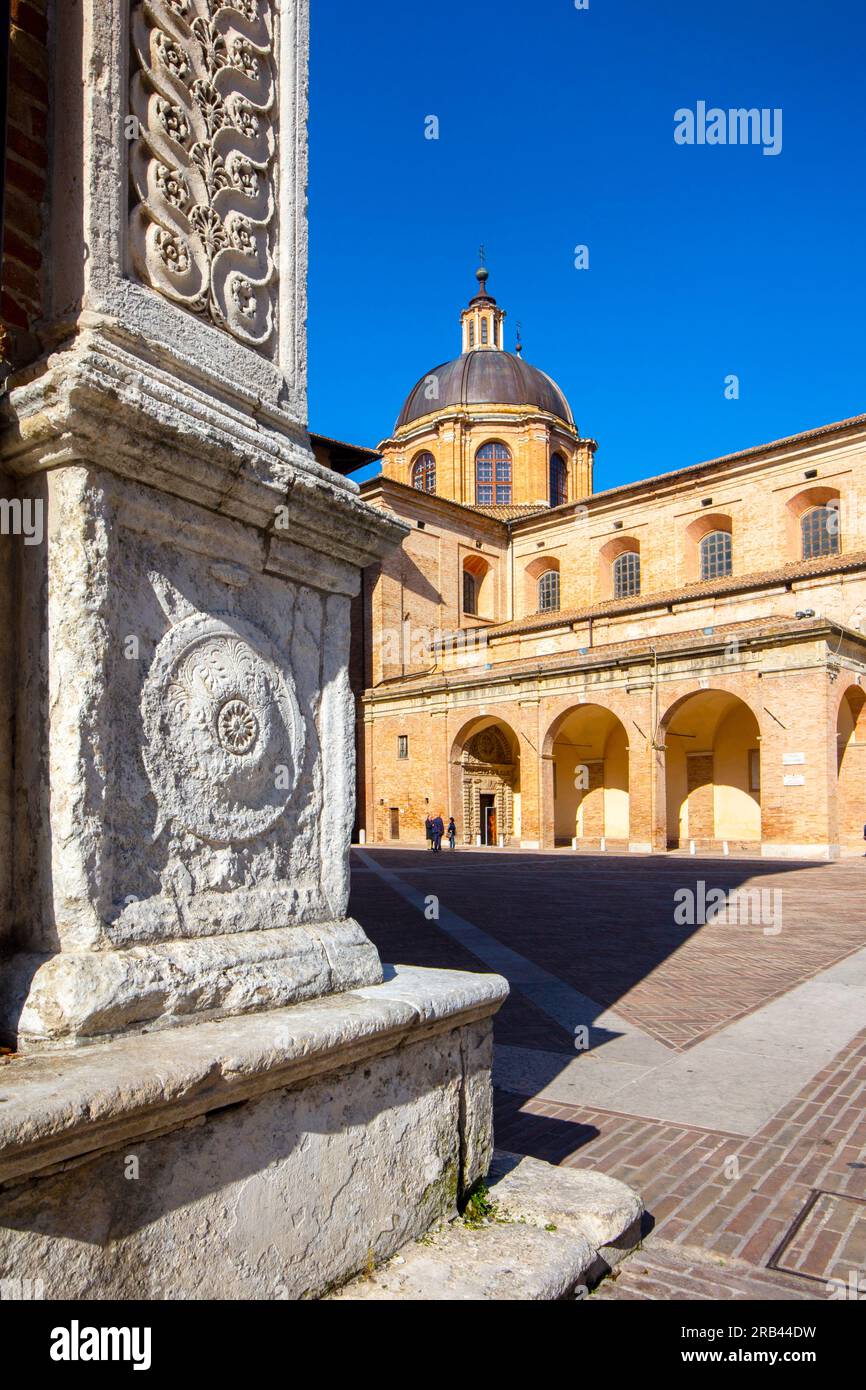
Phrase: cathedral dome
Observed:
(484, 377)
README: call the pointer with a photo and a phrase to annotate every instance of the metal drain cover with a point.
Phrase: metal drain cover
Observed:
(826, 1241)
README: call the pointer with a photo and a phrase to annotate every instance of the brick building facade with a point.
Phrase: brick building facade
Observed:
(674, 661)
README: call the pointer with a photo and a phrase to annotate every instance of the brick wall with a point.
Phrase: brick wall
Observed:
(758, 501)
(22, 305)
(417, 590)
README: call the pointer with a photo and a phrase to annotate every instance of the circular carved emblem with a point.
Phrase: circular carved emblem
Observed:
(488, 747)
(224, 734)
(237, 726)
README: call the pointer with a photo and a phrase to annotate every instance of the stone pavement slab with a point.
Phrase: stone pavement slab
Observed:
(556, 1077)
(735, 1080)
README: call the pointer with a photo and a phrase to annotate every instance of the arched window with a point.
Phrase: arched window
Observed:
(626, 574)
(484, 330)
(716, 555)
(493, 475)
(558, 476)
(819, 527)
(424, 473)
(548, 592)
(471, 332)
(470, 594)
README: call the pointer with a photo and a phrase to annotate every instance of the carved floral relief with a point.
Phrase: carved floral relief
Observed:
(203, 92)
(224, 736)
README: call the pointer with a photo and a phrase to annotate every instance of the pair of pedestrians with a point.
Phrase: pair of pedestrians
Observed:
(434, 829)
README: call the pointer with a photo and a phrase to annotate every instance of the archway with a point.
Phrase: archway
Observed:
(712, 770)
(589, 750)
(851, 768)
(485, 792)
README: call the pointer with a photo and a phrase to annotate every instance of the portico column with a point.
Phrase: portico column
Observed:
(799, 811)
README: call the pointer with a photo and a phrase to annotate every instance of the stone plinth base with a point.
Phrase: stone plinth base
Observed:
(266, 1156)
(773, 850)
(72, 997)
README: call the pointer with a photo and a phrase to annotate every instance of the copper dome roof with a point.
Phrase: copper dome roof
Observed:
(485, 376)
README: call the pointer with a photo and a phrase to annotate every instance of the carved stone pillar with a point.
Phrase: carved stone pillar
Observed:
(177, 967)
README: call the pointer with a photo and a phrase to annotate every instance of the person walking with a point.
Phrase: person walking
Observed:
(438, 832)
(428, 831)
(451, 832)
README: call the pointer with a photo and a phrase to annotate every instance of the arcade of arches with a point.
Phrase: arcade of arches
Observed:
(672, 664)
(736, 766)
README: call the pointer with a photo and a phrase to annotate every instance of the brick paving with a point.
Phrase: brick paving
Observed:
(605, 925)
(720, 1206)
(664, 1272)
(728, 1197)
(831, 1240)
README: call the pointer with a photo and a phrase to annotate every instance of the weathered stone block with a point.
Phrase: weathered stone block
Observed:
(265, 1157)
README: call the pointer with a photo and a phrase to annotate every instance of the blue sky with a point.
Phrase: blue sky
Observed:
(556, 129)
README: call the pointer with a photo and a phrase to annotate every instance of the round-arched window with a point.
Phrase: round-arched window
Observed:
(558, 480)
(716, 555)
(470, 594)
(548, 592)
(424, 473)
(819, 527)
(626, 574)
(493, 475)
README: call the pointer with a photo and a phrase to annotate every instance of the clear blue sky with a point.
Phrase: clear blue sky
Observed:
(556, 129)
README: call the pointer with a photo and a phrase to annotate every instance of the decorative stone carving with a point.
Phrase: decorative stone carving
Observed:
(224, 734)
(489, 746)
(488, 768)
(202, 229)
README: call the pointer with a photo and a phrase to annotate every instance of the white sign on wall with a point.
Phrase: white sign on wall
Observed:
(790, 759)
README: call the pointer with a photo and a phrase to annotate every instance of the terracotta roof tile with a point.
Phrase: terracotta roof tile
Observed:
(798, 569)
(612, 652)
(514, 511)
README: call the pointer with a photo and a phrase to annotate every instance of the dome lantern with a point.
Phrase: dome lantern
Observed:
(482, 320)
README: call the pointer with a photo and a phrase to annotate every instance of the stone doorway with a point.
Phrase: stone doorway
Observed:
(488, 784)
(488, 818)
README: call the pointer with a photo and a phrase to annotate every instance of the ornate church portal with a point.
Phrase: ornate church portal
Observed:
(489, 775)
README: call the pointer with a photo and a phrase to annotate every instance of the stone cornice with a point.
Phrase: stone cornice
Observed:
(59, 1108)
(101, 404)
(471, 415)
(728, 468)
(639, 652)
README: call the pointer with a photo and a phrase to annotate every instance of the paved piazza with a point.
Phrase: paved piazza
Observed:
(718, 1066)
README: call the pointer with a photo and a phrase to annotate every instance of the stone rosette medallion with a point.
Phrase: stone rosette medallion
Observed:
(224, 736)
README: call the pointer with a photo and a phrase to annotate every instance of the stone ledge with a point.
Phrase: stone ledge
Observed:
(75, 997)
(559, 1229)
(97, 400)
(58, 1107)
